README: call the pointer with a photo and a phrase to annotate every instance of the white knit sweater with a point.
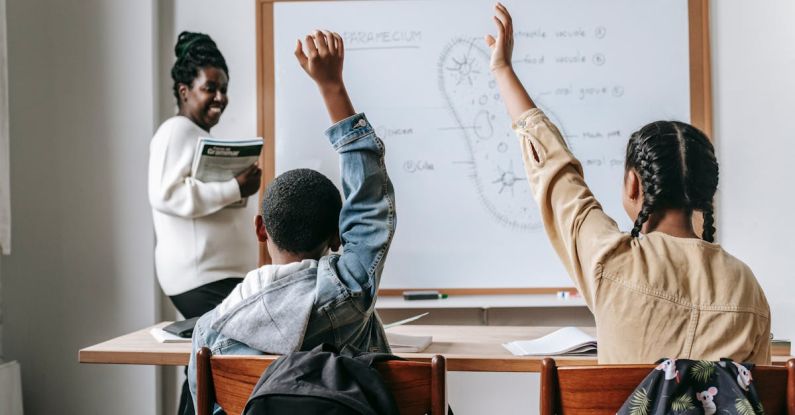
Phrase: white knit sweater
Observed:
(198, 240)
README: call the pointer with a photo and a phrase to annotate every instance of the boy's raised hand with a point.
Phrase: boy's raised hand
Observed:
(323, 58)
(502, 46)
(323, 63)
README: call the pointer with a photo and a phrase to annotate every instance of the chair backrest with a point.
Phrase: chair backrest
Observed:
(418, 387)
(602, 389)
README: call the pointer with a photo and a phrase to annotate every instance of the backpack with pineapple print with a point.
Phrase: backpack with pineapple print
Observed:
(685, 387)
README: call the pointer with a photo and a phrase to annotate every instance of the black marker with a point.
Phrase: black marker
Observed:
(423, 295)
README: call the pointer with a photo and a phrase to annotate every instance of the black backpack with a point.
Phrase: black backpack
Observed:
(323, 381)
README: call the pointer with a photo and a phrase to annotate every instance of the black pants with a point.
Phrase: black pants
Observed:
(195, 303)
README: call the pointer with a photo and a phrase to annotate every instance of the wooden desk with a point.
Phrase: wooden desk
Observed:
(467, 349)
(137, 348)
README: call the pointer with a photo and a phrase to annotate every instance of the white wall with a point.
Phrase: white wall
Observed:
(81, 103)
(2, 357)
(754, 97)
(3, 138)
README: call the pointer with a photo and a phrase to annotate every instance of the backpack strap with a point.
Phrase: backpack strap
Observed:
(369, 358)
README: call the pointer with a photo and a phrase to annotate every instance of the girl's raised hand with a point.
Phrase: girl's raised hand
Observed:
(323, 57)
(502, 46)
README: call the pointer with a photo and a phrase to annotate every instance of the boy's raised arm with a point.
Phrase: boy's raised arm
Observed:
(367, 219)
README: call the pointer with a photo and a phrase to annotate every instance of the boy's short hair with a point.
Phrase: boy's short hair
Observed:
(301, 210)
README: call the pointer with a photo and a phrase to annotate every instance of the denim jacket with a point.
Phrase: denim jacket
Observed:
(333, 302)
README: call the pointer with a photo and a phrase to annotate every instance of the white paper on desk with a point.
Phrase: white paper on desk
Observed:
(568, 340)
(405, 321)
(404, 343)
(163, 336)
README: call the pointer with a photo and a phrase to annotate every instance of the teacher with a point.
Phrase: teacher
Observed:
(204, 246)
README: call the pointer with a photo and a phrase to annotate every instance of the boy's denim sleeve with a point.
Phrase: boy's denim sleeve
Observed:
(367, 219)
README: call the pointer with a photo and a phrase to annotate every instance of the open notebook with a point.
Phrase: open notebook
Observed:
(565, 341)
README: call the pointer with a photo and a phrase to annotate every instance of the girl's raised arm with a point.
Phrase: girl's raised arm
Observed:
(516, 98)
(579, 230)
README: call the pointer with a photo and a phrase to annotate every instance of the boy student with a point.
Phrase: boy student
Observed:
(307, 297)
(661, 290)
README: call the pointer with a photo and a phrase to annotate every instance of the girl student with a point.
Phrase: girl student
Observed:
(661, 290)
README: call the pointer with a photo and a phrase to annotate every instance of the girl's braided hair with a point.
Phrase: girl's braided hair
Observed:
(677, 168)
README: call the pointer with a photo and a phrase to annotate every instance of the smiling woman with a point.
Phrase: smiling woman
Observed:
(201, 78)
(204, 246)
(204, 102)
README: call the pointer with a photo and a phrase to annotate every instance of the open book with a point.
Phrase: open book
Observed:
(221, 160)
(566, 341)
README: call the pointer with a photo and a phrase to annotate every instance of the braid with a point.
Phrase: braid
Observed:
(194, 51)
(709, 225)
(650, 186)
(702, 180)
(648, 160)
(677, 168)
(643, 216)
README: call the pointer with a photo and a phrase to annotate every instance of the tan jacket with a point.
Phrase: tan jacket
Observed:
(653, 296)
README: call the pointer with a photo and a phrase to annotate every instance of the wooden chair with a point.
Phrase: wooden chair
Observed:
(418, 387)
(602, 389)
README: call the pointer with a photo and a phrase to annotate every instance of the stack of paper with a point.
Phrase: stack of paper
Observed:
(403, 343)
(566, 341)
(780, 347)
(405, 321)
(165, 337)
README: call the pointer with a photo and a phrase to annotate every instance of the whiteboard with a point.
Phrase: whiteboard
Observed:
(419, 70)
